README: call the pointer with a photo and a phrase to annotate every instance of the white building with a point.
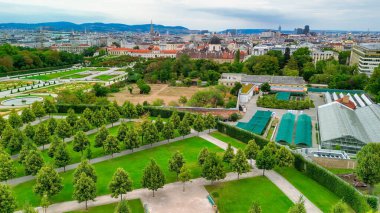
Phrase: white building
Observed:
(155, 53)
(318, 55)
(366, 56)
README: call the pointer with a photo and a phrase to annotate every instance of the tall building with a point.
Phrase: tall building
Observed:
(366, 56)
(279, 28)
(151, 28)
(306, 30)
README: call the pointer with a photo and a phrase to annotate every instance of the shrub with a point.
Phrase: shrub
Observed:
(270, 101)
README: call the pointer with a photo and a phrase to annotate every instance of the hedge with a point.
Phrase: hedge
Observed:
(78, 108)
(357, 201)
(163, 112)
(21, 72)
(354, 198)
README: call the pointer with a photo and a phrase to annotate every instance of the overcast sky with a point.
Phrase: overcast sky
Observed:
(202, 14)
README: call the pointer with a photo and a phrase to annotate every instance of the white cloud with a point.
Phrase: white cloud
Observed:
(201, 14)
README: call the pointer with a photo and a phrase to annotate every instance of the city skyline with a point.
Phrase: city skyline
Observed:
(320, 14)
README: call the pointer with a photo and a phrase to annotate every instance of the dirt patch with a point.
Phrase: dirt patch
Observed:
(162, 91)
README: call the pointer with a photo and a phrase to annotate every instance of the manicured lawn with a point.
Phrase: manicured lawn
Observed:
(322, 197)
(57, 75)
(227, 139)
(134, 164)
(105, 77)
(237, 196)
(135, 206)
(75, 76)
(100, 69)
(341, 171)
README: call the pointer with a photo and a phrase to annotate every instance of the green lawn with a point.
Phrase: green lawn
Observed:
(76, 76)
(341, 171)
(100, 69)
(133, 164)
(57, 75)
(237, 196)
(322, 197)
(105, 77)
(227, 139)
(135, 206)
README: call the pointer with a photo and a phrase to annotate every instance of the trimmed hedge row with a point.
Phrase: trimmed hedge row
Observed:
(358, 201)
(164, 113)
(62, 108)
(354, 198)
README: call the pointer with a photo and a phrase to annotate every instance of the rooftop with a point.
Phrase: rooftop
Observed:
(370, 46)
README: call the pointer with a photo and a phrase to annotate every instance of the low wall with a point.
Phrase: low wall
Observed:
(335, 163)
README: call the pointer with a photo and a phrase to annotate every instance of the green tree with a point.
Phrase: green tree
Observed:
(7, 168)
(80, 142)
(48, 182)
(176, 162)
(251, 150)
(82, 124)
(14, 119)
(228, 154)
(101, 137)
(7, 200)
(33, 162)
(175, 119)
(120, 184)
(112, 115)
(184, 176)
(98, 119)
(159, 123)
(15, 143)
(29, 131)
(153, 177)
(54, 143)
(210, 122)
(52, 125)
(25, 149)
(129, 110)
(339, 207)
(298, 207)
(184, 128)
(131, 140)
(45, 202)
(87, 168)
(122, 207)
(7, 134)
(368, 166)
(27, 115)
(87, 114)
(122, 131)
(3, 124)
(182, 100)
(266, 158)
(63, 129)
(255, 207)
(62, 156)
(212, 168)
(111, 145)
(265, 87)
(237, 56)
(199, 124)
(50, 106)
(168, 131)
(240, 164)
(41, 137)
(38, 109)
(71, 117)
(151, 134)
(84, 189)
(284, 157)
(29, 209)
(203, 154)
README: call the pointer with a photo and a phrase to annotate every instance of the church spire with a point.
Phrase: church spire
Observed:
(151, 28)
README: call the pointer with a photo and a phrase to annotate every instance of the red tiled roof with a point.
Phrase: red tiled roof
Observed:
(347, 103)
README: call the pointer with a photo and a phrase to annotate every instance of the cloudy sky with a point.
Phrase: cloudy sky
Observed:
(202, 14)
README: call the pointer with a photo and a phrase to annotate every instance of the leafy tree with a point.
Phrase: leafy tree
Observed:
(159, 123)
(25, 149)
(122, 207)
(29, 209)
(153, 177)
(7, 168)
(27, 115)
(112, 115)
(210, 122)
(129, 110)
(265, 87)
(52, 125)
(240, 164)
(15, 143)
(122, 131)
(45, 202)
(29, 131)
(82, 124)
(188, 117)
(140, 109)
(80, 142)
(228, 154)
(62, 156)
(255, 207)
(168, 131)
(98, 119)
(176, 163)
(212, 168)
(41, 137)
(87, 114)
(284, 157)
(131, 140)
(48, 181)
(251, 150)
(7, 200)
(7, 134)
(339, 207)
(120, 184)
(266, 158)
(84, 189)
(50, 106)
(54, 143)
(151, 134)
(38, 109)
(33, 162)
(14, 119)
(368, 167)
(71, 117)
(298, 207)
(262, 65)
(235, 90)
(373, 85)
(87, 168)
(184, 175)
(111, 145)
(199, 124)
(182, 100)
(101, 137)
(175, 119)
(203, 154)
(100, 91)
(184, 128)
(63, 129)
(3, 124)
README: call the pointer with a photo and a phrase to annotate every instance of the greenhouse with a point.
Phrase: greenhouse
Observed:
(285, 130)
(303, 131)
(258, 122)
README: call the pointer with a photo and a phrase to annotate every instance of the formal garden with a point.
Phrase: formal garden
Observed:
(50, 76)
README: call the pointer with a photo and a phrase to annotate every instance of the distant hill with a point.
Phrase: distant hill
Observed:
(93, 27)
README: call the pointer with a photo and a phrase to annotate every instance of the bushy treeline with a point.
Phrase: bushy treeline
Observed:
(19, 58)
(270, 101)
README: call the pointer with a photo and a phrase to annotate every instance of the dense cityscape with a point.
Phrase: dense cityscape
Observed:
(152, 118)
